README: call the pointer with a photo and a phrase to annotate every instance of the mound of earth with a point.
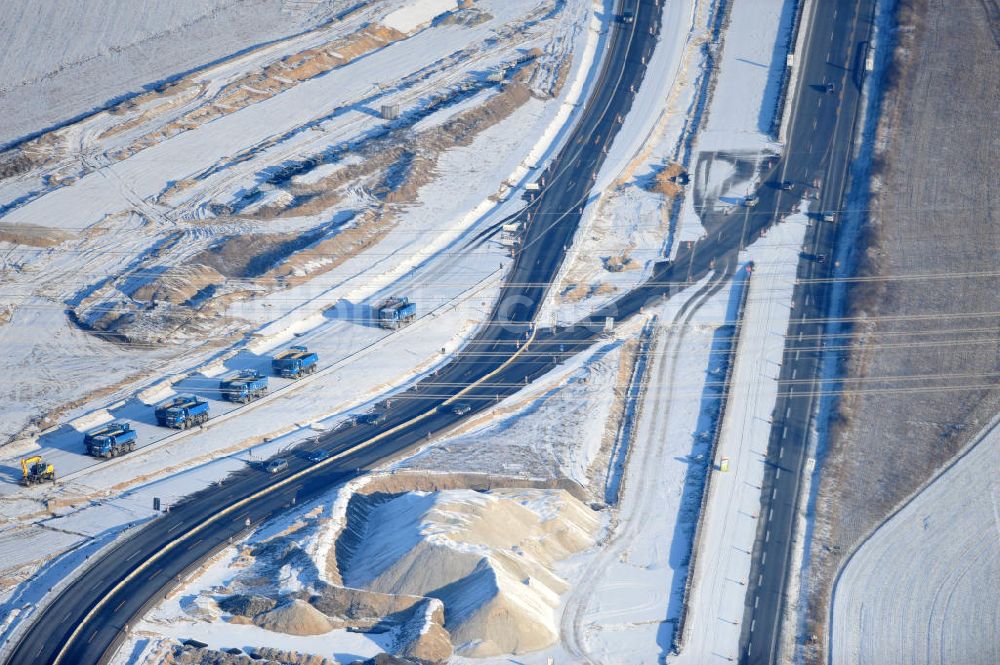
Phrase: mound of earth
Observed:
(295, 617)
(487, 556)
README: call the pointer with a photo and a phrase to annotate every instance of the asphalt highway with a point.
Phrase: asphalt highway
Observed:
(819, 148)
(88, 619)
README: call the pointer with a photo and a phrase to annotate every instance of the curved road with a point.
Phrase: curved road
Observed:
(88, 620)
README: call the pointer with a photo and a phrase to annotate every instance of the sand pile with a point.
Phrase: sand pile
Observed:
(487, 556)
(295, 617)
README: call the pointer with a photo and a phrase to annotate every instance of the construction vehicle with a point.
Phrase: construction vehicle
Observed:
(110, 440)
(181, 412)
(294, 362)
(244, 386)
(396, 312)
(36, 471)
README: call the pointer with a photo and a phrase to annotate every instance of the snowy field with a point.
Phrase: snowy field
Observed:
(933, 568)
(46, 79)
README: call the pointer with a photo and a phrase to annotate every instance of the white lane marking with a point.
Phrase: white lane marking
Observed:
(767, 536)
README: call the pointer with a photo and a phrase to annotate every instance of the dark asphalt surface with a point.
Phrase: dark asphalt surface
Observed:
(87, 620)
(820, 145)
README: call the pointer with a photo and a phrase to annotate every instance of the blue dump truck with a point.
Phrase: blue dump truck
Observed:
(396, 312)
(110, 440)
(294, 362)
(244, 386)
(181, 412)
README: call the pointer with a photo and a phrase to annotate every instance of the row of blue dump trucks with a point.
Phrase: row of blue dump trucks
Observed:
(184, 411)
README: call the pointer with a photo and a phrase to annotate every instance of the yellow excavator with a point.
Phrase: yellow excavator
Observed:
(36, 471)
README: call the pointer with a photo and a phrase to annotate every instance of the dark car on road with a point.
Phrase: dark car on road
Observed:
(319, 455)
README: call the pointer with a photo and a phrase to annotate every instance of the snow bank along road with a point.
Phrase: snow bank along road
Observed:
(819, 148)
(88, 619)
(922, 588)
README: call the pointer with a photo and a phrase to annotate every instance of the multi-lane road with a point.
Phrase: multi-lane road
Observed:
(89, 618)
(819, 149)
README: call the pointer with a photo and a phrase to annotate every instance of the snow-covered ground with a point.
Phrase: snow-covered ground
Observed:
(626, 595)
(429, 255)
(111, 203)
(47, 79)
(117, 217)
(727, 153)
(923, 587)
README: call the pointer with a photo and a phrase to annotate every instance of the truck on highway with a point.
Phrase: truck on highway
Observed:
(181, 412)
(396, 312)
(35, 470)
(294, 362)
(110, 440)
(243, 386)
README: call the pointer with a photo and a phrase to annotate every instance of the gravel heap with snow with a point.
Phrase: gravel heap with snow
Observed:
(487, 556)
(418, 574)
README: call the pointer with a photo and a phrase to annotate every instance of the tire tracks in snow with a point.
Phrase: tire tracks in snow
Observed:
(615, 547)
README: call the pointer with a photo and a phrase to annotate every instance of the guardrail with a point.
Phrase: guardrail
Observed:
(680, 633)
